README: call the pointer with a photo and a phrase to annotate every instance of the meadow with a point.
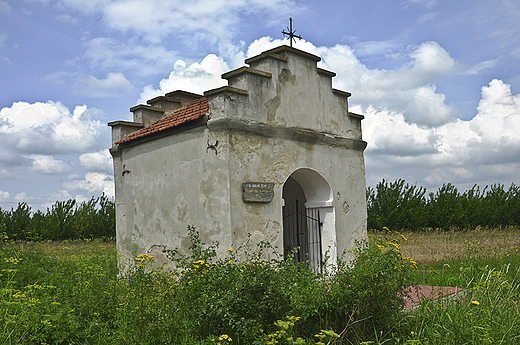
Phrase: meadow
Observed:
(69, 292)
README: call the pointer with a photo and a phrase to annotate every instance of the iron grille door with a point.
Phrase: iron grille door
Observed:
(302, 229)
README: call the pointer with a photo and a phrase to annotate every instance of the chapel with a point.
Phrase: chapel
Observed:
(274, 156)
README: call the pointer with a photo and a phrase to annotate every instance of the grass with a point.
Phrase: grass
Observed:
(434, 247)
(68, 293)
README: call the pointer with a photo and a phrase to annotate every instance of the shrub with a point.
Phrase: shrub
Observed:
(245, 297)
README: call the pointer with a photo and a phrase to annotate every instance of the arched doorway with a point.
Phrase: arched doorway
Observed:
(308, 218)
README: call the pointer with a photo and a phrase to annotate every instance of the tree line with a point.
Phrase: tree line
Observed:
(397, 205)
(401, 206)
(65, 220)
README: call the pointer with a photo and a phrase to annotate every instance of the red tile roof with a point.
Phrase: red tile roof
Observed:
(190, 112)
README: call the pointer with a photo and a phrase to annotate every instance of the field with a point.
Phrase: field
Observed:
(429, 248)
(69, 292)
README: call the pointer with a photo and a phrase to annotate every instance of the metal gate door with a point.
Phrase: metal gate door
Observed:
(302, 229)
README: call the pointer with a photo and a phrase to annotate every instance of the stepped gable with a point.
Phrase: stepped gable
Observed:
(190, 112)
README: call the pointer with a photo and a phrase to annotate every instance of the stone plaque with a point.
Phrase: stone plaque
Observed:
(258, 191)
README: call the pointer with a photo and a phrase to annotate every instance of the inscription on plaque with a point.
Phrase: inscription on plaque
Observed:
(258, 191)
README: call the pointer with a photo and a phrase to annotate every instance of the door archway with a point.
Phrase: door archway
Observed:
(308, 218)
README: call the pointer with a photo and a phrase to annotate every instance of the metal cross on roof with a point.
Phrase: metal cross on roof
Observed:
(292, 34)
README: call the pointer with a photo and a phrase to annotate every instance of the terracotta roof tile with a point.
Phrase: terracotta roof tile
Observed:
(190, 112)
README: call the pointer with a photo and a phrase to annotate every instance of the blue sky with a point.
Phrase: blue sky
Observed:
(438, 81)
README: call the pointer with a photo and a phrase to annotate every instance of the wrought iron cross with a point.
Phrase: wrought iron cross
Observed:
(292, 34)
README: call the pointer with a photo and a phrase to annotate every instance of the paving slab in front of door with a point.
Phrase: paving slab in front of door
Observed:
(418, 293)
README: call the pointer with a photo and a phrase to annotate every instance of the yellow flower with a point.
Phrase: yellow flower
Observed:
(230, 250)
(225, 337)
(475, 302)
(230, 261)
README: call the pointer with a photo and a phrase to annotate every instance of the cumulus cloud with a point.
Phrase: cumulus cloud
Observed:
(409, 90)
(100, 161)
(92, 183)
(46, 128)
(4, 196)
(197, 77)
(47, 165)
(485, 148)
(114, 85)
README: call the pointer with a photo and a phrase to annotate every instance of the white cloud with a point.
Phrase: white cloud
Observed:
(100, 161)
(4, 196)
(47, 128)
(485, 148)
(114, 85)
(144, 60)
(481, 66)
(197, 20)
(47, 165)
(193, 21)
(93, 182)
(409, 90)
(389, 134)
(197, 78)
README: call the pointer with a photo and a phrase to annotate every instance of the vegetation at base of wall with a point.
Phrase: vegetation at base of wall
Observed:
(402, 206)
(69, 293)
(66, 295)
(94, 218)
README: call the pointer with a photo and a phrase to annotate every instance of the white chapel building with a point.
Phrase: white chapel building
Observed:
(276, 155)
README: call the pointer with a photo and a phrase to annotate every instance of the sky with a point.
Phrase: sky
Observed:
(438, 81)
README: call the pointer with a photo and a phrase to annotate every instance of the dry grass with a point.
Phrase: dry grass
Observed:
(69, 247)
(434, 246)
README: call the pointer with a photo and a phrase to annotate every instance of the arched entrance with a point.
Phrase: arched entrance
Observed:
(308, 218)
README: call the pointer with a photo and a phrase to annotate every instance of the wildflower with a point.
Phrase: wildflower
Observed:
(230, 250)
(475, 302)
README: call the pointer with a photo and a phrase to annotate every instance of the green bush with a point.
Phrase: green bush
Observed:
(245, 293)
